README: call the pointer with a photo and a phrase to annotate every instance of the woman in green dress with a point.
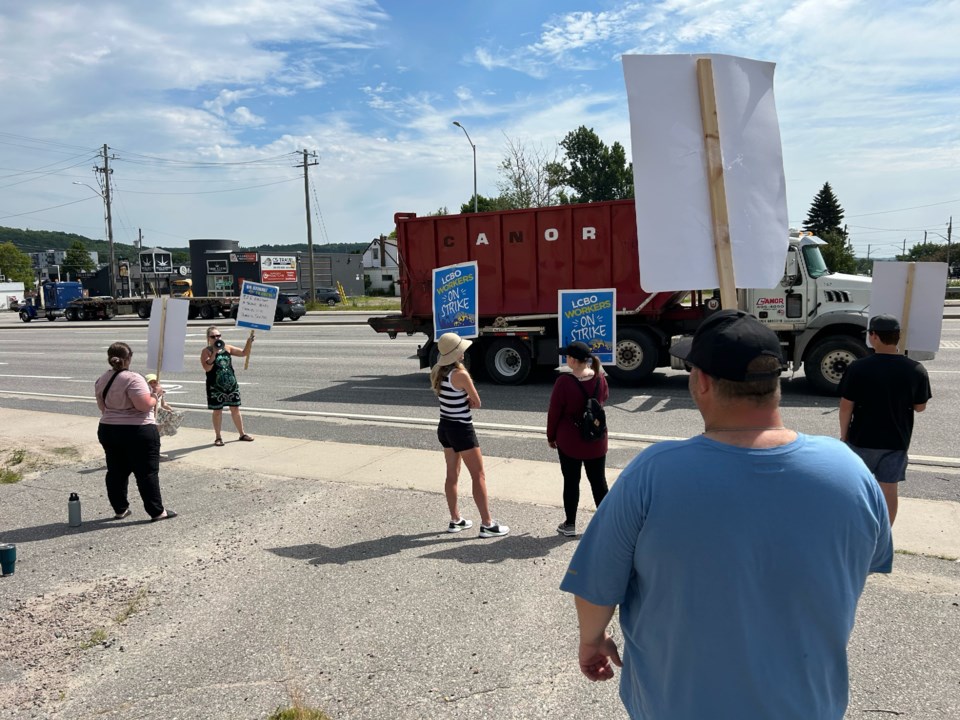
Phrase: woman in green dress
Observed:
(223, 390)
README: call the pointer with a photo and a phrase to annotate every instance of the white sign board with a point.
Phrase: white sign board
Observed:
(888, 294)
(674, 221)
(258, 305)
(174, 324)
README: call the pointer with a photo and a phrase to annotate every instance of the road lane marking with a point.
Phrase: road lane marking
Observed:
(39, 377)
(427, 423)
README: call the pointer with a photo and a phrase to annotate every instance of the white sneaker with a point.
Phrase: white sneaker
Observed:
(459, 525)
(494, 529)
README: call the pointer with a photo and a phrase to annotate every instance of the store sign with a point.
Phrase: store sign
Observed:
(244, 257)
(278, 268)
(158, 263)
(217, 267)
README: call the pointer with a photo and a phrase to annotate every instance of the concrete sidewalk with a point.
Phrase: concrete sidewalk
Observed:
(923, 527)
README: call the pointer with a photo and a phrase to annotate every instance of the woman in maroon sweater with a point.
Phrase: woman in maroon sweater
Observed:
(567, 404)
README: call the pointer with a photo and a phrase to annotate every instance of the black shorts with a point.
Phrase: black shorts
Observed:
(457, 435)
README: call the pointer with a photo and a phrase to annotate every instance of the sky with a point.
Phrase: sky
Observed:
(207, 105)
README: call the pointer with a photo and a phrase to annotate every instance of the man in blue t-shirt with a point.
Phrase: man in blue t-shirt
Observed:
(879, 395)
(736, 557)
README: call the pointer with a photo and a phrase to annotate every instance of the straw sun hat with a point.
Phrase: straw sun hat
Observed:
(451, 347)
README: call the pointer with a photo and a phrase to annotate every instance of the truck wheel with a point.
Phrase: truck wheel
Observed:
(25, 317)
(143, 311)
(51, 318)
(192, 313)
(70, 314)
(206, 312)
(109, 313)
(80, 314)
(637, 356)
(508, 361)
(826, 363)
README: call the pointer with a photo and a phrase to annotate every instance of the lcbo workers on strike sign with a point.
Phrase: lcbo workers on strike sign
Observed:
(455, 300)
(588, 316)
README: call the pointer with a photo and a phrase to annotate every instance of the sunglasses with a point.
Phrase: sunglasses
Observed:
(213, 336)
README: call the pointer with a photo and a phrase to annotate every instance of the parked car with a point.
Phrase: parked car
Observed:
(289, 306)
(328, 295)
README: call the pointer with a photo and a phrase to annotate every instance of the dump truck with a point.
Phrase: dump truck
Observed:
(525, 256)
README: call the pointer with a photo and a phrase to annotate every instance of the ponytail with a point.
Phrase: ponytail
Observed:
(439, 373)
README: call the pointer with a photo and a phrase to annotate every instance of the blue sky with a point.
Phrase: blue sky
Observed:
(204, 104)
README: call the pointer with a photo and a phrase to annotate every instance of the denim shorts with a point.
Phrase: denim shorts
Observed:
(887, 466)
(457, 435)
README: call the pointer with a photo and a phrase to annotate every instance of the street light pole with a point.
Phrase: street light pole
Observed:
(474, 163)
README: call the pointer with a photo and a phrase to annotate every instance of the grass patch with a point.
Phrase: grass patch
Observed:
(69, 452)
(297, 709)
(299, 712)
(97, 637)
(12, 467)
(359, 302)
(137, 603)
(9, 477)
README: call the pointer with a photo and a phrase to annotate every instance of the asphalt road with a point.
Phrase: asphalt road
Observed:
(342, 381)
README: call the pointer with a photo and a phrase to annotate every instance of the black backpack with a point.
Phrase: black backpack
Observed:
(593, 424)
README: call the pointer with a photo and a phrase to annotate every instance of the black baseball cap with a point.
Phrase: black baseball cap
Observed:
(726, 343)
(884, 323)
(577, 350)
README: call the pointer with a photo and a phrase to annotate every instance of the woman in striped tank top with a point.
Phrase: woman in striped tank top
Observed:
(454, 387)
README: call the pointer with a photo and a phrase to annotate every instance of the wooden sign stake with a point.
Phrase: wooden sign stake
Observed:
(246, 360)
(907, 302)
(718, 194)
(163, 331)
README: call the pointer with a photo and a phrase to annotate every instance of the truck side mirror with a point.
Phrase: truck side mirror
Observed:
(791, 274)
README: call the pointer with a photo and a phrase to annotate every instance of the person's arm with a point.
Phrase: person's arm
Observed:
(597, 648)
(100, 404)
(206, 359)
(846, 414)
(141, 397)
(920, 408)
(237, 351)
(462, 381)
(554, 414)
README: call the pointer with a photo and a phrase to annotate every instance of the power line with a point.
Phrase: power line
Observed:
(212, 192)
(52, 207)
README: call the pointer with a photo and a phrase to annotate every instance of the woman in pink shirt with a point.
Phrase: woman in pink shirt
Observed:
(129, 434)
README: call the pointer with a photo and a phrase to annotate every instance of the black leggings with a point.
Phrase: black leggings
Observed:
(132, 449)
(570, 467)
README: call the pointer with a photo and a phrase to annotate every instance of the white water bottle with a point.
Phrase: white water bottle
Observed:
(73, 510)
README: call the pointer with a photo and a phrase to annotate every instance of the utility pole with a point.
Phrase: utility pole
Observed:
(306, 198)
(949, 233)
(106, 201)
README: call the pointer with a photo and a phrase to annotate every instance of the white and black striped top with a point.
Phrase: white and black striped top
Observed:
(453, 403)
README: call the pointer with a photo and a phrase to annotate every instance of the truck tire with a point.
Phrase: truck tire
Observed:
(192, 313)
(827, 361)
(508, 361)
(25, 317)
(70, 314)
(143, 311)
(51, 318)
(109, 313)
(226, 312)
(80, 314)
(206, 312)
(636, 356)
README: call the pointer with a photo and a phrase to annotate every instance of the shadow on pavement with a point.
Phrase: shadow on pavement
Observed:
(465, 548)
(55, 530)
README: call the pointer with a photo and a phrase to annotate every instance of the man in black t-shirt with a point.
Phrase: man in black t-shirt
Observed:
(879, 395)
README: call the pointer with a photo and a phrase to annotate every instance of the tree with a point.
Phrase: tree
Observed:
(525, 179)
(825, 213)
(590, 169)
(838, 252)
(78, 259)
(15, 265)
(485, 204)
